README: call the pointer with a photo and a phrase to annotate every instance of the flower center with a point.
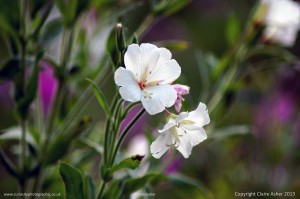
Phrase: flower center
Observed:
(142, 85)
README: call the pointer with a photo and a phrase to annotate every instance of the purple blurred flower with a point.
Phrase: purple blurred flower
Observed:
(174, 166)
(47, 86)
(276, 109)
(181, 90)
(5, 98)
(278, 177)
(139, 126)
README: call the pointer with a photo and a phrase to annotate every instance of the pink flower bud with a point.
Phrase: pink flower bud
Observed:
(181, 90)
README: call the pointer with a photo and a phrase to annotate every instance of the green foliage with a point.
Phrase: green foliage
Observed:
(101, 98)
(128, 163)
(124, 187)
(71, 10)
(167, 7)
(51, 30)
(134, 17)
(173, 45)
(115, 190)
(111, 47)
(35, 6)
(189, 188)
(74, 185)
(10, 16)
(15, 134)
(31, 89)
(135, 184)
(89, 187)
(60, 144)
(233, 29)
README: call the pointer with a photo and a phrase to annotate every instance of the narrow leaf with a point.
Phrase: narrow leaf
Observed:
(230, 131)
(115, 190)
(128, 163)
(73, 181)
(136, 184)
(232, 29)
(89, 188)
(101, 98)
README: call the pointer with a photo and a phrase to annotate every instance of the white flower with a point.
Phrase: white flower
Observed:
(147, 77)
(138, 146)
(282, 20)
(182, 132)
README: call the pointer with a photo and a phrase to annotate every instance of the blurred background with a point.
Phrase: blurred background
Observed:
(254, 135)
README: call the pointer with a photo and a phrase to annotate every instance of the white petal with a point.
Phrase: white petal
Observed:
(168, 126)
(165, 73)
(199, 116)
(195, 136)
(129, 91)
(165, 56)
(132, 58)
(141, 59)
(185, 146)
(160, 145)
(182, 116)
(156, 98)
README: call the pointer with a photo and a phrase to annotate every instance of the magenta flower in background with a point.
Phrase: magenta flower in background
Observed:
(5, 98)
(174, 166)
(139, 126)
(181, 90)
(276, 109)
(47, 86)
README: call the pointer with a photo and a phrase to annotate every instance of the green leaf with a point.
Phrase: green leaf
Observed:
(128, 163)
(233, 29)
(173, 45)
(51, 30)
(31, 89)
(89, 188)
(115, 190)
(15, 133)
(101, 98)
(71, 10)
(168, 7)
(35, 6)
(73, 181)
(225, 132)
(134, 17)
(91, 144)
(190, 187)
(111, 47)
(10, 15)
(8, 165)
(60, 144)
(136, 184)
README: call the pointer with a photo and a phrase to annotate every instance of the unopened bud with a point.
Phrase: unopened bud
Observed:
(121, 44)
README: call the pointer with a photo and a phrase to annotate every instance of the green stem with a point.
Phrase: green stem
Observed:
(124, 133)
(145, 25)
(101, 190)
(115, 129)
(23, 76)
(108, 128)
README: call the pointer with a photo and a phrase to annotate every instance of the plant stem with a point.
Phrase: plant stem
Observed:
(23, 76)
(101, 190)
(116, 125)
(124, 133)
(108, 128)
